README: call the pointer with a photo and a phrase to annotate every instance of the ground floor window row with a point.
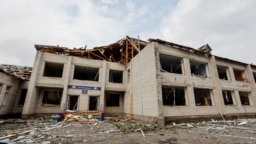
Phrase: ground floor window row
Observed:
(54, 96)
(111, 100)
(176, 96)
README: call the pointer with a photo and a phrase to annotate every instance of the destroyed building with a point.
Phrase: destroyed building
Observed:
(13, 88)
(155, 81)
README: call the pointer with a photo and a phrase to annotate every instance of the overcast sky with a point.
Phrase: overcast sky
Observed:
(228, 26)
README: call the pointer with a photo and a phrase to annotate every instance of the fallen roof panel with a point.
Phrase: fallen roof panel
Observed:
(21, 72)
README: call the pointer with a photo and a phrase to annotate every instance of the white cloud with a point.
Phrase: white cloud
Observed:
(74, 23)
(227, 25)
(110, 2)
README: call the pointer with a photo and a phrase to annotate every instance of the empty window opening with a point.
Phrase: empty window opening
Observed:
(73, 102)
(198, 69)
(171, 64)
(244, 97)
(53, 69)
(202, 97)
(128, 76)
(52, 97)
(6, 96)
(239, 75)
(93, 103)
(112, 100)
(115, 76)
(86, 73)
(254, 76)
(173, 96)
(22, 96)
(222, 72)
(227, 97)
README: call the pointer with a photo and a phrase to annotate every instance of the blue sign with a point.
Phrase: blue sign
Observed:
(84, 87)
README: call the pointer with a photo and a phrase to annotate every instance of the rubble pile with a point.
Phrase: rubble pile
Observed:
(127, 126)
(77, 129)
(79, 118)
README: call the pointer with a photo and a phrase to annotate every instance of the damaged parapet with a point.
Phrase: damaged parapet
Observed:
(21, 72)
(203, 50)
(121, 51)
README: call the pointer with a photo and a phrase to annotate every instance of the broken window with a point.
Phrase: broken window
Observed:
(202, 97)
(171, 64)
(53, 69)
(22, 96)
(222, 72)
(73, 102)
(6, 96)
(198, 69)
(173, 96)
(93, 103)
(52, 96)
(112, 100)
(239, 75)
(227, 97)
(86, 73)
(244, 97)
(115, 76)
(254, 76)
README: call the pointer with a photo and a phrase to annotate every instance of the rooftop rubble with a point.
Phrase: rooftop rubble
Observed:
(21, 72)
(121, 51)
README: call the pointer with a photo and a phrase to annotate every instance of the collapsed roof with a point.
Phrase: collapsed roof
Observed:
(20, 72)
(121, 51)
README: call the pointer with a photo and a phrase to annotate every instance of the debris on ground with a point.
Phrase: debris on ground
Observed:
(75, 128)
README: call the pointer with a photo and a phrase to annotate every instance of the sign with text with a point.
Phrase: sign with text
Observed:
(84, 88)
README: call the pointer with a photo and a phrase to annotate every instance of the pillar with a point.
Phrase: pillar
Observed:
(30, 102)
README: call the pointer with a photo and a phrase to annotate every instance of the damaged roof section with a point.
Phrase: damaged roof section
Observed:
(20, 72)
(203, 50)
(121, 51)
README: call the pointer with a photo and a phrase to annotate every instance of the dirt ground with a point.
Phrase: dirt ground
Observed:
(122, 131)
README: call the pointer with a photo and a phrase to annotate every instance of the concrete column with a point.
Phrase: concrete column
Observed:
(160, 117)
(66, 76)
(30, 102)
(238, 101)
(103, 84)
(186, 66)
(2, 93)
(190, 96)
(217, 91)
(232, 75)
(252, 84)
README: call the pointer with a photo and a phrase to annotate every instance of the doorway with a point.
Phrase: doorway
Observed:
(73, 102)
(93, 103)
